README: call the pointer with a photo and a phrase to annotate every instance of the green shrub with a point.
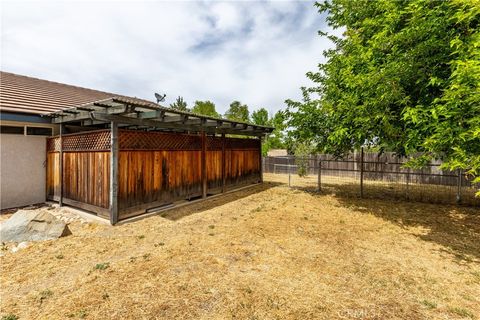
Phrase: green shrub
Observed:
(102, 266)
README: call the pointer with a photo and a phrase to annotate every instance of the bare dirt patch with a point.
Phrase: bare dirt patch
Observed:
(268, 252)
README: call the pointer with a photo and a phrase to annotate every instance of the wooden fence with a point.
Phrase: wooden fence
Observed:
(378, 175)
(153, 169)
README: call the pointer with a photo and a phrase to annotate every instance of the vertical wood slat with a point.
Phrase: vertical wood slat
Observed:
(86, 177)
(53, 173)
(60, 201)
(157, 176)
(148, 173)
(47, 175)
(114, 174)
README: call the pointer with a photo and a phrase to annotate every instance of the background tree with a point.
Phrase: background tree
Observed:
(405, 77)
(238, 111)
(206, 108)
(302, 153)
(275, 140)
(260, 117)
(179, 104)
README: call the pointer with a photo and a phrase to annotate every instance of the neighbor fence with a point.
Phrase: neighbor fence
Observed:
(374, 175)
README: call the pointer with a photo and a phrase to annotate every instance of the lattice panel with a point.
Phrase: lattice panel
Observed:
(53, 144)
(214, 143)
(95, 140)
(141, 140)
(242, 144)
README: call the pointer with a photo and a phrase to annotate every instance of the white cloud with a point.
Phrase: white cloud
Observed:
(255, 52)
(226, 16)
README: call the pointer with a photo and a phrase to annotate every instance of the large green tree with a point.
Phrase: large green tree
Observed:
(260, 117)
(404, 77)
(238, 111)
(206, 108)
(179, 104)
(275, 140)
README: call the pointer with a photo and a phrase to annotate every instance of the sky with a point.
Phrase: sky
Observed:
(256, 52)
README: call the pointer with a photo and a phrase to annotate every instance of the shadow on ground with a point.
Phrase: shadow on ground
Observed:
(456, 228)
(211, 203)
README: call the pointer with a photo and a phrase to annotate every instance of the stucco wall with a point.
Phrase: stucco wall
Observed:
(22, 170)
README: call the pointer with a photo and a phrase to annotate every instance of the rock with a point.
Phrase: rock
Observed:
(32, 225)
(22, 245)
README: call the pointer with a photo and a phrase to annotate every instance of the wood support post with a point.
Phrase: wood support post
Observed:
(204, 165)
(114, 173)
(224, 161)
(60, 166)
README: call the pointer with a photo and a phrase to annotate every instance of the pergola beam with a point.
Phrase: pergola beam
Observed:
(180, 118)
(148, 115)
(97, 116)
(210, 123)
(159, 114)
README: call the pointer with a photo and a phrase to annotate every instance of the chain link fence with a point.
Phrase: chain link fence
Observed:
(373, 175)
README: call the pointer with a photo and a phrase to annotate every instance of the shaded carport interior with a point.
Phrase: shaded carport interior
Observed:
(160, 155)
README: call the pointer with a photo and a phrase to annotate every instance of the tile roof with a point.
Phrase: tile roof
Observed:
(22, 94)
(36, 96)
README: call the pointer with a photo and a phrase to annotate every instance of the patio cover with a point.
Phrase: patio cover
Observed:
(146, 115)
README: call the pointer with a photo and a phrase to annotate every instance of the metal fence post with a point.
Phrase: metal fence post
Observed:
(320, 175)
(459, 187)
(408, 182)
(361, 173)
(289, 184)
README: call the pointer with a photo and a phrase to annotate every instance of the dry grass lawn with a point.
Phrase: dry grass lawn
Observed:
(268, 252)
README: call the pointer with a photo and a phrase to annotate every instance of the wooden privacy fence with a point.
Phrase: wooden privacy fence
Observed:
(145, 170)
(376, 175)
